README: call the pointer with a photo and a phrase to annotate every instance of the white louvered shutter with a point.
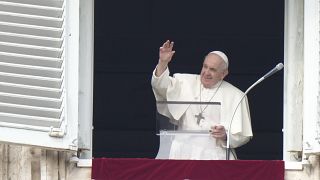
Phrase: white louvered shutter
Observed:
(33, 89)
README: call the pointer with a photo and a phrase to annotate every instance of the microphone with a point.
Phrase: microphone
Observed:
(277, 68)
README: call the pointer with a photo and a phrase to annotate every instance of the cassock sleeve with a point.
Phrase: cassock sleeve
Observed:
(167, 88)
(241, 131)
(160, 87)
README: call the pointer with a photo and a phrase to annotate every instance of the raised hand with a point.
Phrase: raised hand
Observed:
(165, 56)
(165, 52)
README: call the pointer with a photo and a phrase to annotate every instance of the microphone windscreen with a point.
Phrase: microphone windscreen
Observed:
(279, 66)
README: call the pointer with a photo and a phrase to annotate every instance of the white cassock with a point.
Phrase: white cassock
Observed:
(188, 87)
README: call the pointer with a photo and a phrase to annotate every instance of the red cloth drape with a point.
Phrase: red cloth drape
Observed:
(154, 169)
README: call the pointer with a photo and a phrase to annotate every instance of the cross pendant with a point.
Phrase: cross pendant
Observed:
(199, 117)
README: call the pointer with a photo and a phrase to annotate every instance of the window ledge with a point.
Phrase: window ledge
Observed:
(291, 165)
(84, 163)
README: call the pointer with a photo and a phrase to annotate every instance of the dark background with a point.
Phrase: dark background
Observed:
(128, 35)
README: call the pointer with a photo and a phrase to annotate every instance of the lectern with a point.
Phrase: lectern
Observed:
(184, 130)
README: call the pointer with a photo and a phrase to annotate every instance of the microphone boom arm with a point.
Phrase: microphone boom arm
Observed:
(229, 128)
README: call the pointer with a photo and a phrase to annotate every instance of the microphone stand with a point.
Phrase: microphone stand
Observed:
(274, 70)
(229, 128)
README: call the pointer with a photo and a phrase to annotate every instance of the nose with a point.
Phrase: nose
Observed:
(206, 72)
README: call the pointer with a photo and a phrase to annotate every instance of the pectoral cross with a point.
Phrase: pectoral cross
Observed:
(199, 117)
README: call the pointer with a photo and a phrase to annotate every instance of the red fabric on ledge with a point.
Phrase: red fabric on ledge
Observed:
(145, 169)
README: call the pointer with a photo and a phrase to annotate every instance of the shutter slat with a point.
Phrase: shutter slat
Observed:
(30, 19)
(31, 30)
(30, 60)
(30, 50)
(31, 9)
(46, 3)
(30, 40)
(29, 120)
(30, 90)
(30, 70)
(30, 80)
(30, 110)
(30, 100)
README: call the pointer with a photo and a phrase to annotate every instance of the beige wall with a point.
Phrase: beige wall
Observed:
(309, 172)
(29, 163)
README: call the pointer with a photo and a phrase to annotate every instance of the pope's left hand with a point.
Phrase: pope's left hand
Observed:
(218, 132)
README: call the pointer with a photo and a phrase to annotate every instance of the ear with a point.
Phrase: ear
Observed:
(224, 74)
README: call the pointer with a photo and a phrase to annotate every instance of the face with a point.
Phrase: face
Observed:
(213, 70)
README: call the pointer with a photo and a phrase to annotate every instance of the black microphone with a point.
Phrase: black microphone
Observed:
(270, 73)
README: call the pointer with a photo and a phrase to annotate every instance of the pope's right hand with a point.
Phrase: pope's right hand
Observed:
(166, 53)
